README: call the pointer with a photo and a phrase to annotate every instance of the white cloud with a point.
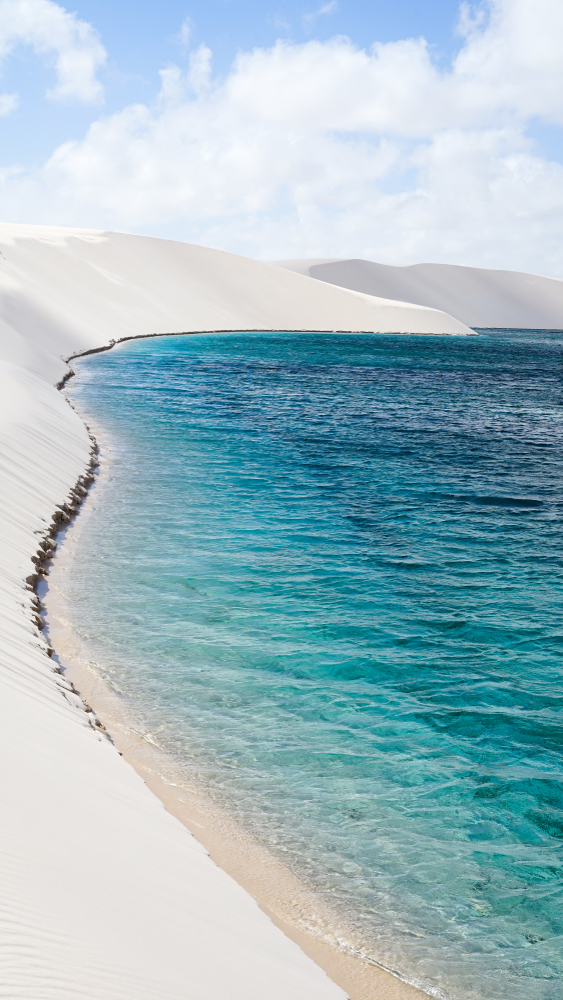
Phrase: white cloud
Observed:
(186, 31)
(326, 149)
(8, 103)
(50, 29)
(327, 8)
(514, 62)
(178, 85)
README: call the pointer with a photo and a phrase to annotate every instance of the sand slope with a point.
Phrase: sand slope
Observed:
(477, 296)
(103, 894)
(66, 291)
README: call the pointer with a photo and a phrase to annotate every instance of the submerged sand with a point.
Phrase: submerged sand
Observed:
(291, 905)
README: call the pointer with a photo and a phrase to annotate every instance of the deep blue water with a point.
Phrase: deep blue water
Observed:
(327, 573)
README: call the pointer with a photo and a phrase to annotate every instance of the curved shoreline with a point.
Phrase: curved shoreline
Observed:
(291, 905)
(103, 893)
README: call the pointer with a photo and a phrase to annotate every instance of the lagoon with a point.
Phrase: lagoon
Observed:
(325, 573)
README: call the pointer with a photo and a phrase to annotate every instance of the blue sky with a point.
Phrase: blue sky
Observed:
(399, 132)
(141, 38)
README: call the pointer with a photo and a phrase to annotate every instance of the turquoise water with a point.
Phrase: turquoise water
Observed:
(326, 573)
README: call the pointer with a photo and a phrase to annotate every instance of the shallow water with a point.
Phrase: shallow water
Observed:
(326, 573)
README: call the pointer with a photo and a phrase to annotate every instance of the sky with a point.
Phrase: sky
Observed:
(396, 132)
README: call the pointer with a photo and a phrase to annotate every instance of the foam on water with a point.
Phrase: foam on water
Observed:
(326, 572)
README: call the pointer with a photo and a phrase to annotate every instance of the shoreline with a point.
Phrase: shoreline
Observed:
(281, 895)
(104, 893)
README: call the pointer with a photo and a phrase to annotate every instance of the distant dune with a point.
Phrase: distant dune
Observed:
(66, 291)
(476, 296)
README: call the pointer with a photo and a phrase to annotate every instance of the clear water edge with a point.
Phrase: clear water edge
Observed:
(295, 902)
(313, 693)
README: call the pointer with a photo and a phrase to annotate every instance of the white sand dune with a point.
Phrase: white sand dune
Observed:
(103, 894)
(477, 296)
